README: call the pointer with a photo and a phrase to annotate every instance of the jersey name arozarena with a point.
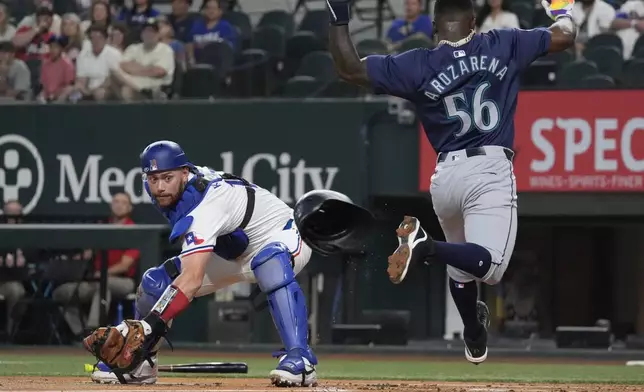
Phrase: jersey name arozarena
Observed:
(464, 67)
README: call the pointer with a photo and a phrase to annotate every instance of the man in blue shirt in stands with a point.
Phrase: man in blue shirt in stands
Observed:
(414, 23)
(212, 28)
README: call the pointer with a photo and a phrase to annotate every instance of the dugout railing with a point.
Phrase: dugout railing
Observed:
(145, 237)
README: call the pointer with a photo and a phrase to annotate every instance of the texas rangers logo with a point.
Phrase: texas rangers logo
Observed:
(153, 165)
(192, 239)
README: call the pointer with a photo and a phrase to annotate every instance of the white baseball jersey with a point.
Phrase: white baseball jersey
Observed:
(221, 211)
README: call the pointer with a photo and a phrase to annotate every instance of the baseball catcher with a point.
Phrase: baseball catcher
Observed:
(231, 231)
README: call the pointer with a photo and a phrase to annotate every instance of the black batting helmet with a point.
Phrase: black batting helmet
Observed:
(331, 224)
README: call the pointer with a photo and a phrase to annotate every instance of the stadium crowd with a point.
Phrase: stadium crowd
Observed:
(108, 50)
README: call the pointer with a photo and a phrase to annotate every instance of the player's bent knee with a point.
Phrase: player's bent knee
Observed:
(495, 275)
(272, 267)
(458, 275)
(153, 283)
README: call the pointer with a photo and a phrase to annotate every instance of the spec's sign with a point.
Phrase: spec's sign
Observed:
(572, 141)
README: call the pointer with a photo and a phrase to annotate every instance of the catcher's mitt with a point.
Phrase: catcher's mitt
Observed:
(118, 347)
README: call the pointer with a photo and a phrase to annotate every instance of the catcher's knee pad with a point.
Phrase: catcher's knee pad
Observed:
(273, 269)
(153, 283)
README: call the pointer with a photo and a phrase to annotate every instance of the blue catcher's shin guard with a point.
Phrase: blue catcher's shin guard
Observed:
(153, 284)
(275, 276)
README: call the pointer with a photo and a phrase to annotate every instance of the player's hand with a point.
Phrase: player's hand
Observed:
(119, 347)
(339, 12)
(558, 8)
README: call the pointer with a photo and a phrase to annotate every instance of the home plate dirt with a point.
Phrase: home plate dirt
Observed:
(63, 384)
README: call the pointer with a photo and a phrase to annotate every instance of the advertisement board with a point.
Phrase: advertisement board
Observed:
(572, 141)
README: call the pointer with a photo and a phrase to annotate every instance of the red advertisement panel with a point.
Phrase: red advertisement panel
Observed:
(572, 141)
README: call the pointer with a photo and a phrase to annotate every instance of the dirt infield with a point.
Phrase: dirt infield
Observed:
(62, 384)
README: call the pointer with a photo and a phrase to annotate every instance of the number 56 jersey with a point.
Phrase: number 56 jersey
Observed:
(217, 218)
(465, 92)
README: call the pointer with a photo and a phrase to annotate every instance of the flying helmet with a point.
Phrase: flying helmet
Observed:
(330, 223)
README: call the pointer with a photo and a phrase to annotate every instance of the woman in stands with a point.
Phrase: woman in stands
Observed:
(495, 15)
(99, 15)
(7, 30)
(119, 36)
(71, 30)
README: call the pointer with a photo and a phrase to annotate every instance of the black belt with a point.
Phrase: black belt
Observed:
(476, 151)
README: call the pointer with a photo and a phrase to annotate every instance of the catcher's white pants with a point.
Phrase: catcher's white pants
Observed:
(222, 273)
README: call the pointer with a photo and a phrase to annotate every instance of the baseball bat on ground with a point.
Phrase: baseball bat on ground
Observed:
(206, 367)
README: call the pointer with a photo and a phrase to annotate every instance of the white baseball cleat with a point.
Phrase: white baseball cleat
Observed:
(294, 371)
(143, 375)
(409, 235)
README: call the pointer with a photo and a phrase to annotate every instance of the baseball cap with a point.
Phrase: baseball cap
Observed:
(59, 39)
(151, 22)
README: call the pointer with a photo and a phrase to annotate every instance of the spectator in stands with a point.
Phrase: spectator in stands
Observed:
(212, 28)
(629, 24)
(75, 38)
(57, 73)
(495, 15)
(30, 41)
(181, 19)
(12, 291)
(136, 17)
(94, 65)
(167, 36)
(7, 30)
(15, 77)
(99, 16)
(31, 21)
(412, 25)
(118, 36)
(121, 270)
(593, 17)
(146, 66)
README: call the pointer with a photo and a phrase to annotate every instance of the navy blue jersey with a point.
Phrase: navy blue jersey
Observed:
(465, 95)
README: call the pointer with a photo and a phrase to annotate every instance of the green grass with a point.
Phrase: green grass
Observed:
(14, 364)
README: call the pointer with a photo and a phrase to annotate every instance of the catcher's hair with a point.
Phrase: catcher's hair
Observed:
(447, 7)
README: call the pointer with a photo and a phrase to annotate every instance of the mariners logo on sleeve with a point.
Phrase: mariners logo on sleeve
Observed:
(192, 239)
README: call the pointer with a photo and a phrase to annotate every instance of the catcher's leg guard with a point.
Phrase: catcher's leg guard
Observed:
(273, 270)
(153, 283)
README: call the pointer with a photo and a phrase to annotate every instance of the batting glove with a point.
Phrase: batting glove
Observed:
(556, 9)
(339, 12)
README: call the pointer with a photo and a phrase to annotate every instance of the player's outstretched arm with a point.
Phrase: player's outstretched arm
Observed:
(564, 31)
(399, 75)
(347, 62)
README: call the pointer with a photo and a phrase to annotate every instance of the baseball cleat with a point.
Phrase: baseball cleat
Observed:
(144, 374)
(409, 235)
(476, 349)
(295, 369)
